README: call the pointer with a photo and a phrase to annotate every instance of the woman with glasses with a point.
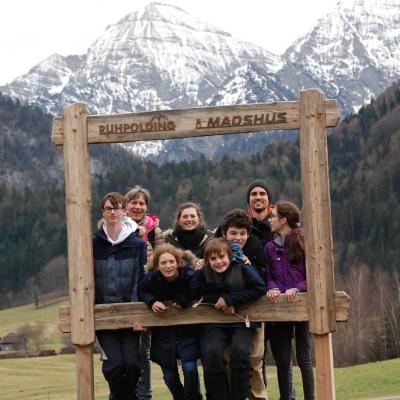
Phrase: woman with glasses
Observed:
(119, 259)
(287, 275)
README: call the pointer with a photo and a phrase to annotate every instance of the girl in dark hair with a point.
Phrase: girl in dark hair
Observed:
(287, 275)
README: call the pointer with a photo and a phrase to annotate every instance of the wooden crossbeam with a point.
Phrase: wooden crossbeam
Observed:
(192, 122)
(122, 315)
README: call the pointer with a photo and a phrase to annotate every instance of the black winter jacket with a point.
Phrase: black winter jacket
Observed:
(254, 250)
(171, 342)
(118, 269)
(239, 284)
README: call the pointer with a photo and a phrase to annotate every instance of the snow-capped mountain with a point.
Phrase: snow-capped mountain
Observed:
(156, 58)
(251, 84)
(163, 58)
(352, 54)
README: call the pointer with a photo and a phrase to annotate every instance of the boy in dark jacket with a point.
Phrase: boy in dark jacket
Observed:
(169, 281)
(226, 283)
(119, 259)
(236, 227)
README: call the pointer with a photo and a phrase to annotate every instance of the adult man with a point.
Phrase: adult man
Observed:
(259, 198)
(259, 201)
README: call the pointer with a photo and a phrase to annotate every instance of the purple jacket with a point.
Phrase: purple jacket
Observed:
(281, 273)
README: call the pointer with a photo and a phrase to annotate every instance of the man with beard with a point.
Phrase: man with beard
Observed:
(258, 198)
(260, 208)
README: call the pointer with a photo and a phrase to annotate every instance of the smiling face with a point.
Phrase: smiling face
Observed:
(238, 235)
(137, 208)
(258, 199)
(219, 262)
(168, 266)
(189, 219)
(112, 214)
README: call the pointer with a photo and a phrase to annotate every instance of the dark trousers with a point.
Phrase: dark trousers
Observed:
(281, 335)
(214, 341)
(144, 386)
(121, 366)
(191, 388)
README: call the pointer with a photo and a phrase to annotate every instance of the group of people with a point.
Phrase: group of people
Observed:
(253, 253)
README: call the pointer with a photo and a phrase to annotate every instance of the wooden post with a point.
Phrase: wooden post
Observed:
(79, 232)
(318, 235)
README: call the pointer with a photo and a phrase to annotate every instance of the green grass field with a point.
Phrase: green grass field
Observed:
(13, 318)
(53, 378)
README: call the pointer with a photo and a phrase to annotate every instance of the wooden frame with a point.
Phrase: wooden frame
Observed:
(321, 306)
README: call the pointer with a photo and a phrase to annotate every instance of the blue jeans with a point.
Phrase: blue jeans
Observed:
(191, 388)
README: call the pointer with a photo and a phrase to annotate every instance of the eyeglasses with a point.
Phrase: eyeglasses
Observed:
(108, 210)
(273, 216)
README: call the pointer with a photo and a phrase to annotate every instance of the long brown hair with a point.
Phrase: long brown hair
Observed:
(288, 210)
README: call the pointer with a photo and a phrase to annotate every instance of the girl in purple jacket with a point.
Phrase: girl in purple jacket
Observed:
(287, 275)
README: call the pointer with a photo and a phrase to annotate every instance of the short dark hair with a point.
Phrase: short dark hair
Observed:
(236, 218)
(116, 200)
(217, 245)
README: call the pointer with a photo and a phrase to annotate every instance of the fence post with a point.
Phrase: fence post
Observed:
(318, 235)
(80, 254)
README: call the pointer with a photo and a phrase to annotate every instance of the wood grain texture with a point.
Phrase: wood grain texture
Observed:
(79, 225)
(84, 372)
(193, 122)
(122, 315)
(325, 373)
(317, 212)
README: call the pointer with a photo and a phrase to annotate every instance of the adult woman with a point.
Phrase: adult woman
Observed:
(287, 275)
(190, 231)
(137, 203)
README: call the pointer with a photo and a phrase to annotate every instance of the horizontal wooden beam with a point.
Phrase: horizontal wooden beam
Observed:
(192, 122)
(122, 315)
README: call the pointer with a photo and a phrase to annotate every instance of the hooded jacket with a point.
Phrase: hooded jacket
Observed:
(283, 274)
(170, 342)
(118, 265)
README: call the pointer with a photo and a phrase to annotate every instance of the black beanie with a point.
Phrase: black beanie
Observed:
(258, 183)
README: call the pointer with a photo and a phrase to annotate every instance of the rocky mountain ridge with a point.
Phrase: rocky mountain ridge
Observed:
(163, 58)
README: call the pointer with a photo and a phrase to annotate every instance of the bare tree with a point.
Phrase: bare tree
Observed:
(35, 335)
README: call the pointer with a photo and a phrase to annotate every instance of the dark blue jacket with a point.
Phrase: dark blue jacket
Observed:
(239, 284)
(118, 269)
(171, 342)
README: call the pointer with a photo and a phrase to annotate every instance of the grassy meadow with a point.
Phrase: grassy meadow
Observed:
(53, 378)
(13, 318)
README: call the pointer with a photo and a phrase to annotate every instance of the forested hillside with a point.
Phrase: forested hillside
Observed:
(365, 187)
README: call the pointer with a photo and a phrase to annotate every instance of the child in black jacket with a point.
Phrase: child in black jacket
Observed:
(168, 280)
(226, 283)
